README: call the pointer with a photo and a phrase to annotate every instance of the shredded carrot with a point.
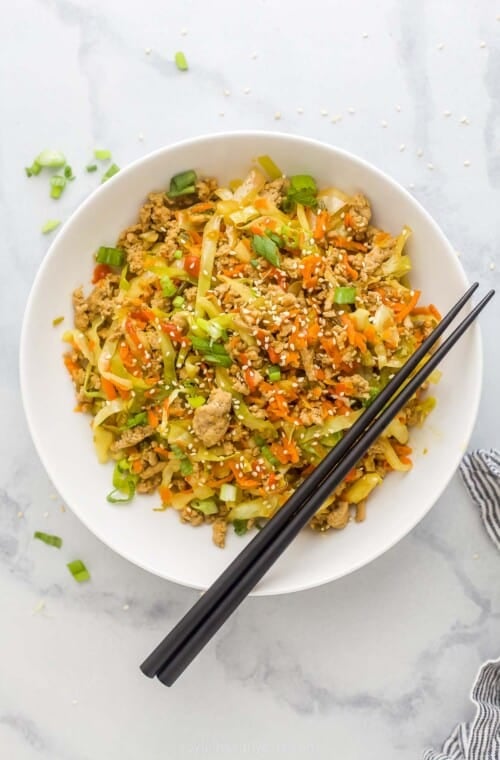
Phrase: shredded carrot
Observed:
(233, 271)
(242, 480)
(262, 204)
(165, 494)
(198, 208)
(370, 334)
(351, 272)
(435, 312)
(348, 245)
(70, 365)
(309, 266)
(354, 337)
(108, 388)
(136, 466)
(408, 308)
(331, 348)
(256, 229)
(402, 450)
(251, 378)
(406, 460)
(163, 453)
(348, 220)
(286, 452)
(153, 418)
(217, 482)
(352, 475)
(321, 225)
(273, 355)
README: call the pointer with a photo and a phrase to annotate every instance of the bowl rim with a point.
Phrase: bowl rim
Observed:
(151, 157)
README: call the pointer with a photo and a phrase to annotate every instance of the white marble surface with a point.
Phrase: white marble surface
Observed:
(378, 664)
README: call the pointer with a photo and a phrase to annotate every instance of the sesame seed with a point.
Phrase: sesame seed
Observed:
(430, 166)
(253, 56)
(398, 108)
(466, 163)
(184, 31)
(125, 607)
(420, 152)
(336, 119)
(492, 265)
(351, 111)
(464, 120)
(384, 124)
(221, 113)
(227, 93)
(247, 90)
(482, 44)
(446, 113)
(365, 35)
(323, 112)
(147, 51)
(277, 115)
(440, 46)
(402, 147)
(20, 515)
(300, 110)
(411, 185)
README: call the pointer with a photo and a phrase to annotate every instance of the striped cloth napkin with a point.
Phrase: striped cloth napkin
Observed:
(480, 739)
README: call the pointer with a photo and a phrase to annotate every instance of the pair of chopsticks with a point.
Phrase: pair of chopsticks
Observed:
(196, 628)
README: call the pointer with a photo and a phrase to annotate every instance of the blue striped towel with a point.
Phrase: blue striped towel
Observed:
(480, 739)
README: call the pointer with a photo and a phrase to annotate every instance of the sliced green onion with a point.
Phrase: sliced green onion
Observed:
(102, 155)
(228, 492)
(68, 173)
(178, 254)
(274, 373)
(240, 527)
(207, 506)
(91, 167)
(168, 287)
(255, 263)
(78, 571)
(113, 257)
(270, 167)
(50, 225)
(113, 169)
(57, 321)
(51, 158)
(47, 538)
(185, 464)
(268, 454)
(138, 419)
(196, 401)
(181, 62)
(344, 295)
(124, 483)
(33, 170)
(182, 184)
(57, 185)
(178, 302)
(266, 248)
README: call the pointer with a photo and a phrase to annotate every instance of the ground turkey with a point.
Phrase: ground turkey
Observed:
(211, 421)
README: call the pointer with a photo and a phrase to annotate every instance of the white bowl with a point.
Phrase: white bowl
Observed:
(157, 541)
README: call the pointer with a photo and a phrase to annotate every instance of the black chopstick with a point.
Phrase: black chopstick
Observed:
(179, 646)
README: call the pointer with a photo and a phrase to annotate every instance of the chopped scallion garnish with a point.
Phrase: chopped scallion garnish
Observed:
(91, 167)
(33, 170)
(68, 173)
(50, 225)
(57, 185)
(185, 465)
(196, 401)
(274, 373)
(113, 169)
(57, 321)
(78, 570)
(168, 287)
(177, 254)
(181, 62)
(206, 506)
(113, 257)
(102, 155)
(267, 248)
(47, 538)
(183, 183)
(240, 527)
(344, 295)
(178, 302)
(51, 158)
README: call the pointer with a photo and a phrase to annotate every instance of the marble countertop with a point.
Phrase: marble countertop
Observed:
(392, 648)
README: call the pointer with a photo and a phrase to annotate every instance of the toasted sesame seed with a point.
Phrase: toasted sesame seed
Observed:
(384, 124)
(147, 51)
(430, 166)
(482, 44)
(323, 112)
(464, 120)
(420, 152)
(398, 108)
(440, 46)
(446, 113)
(300, 110)
(184, 31)
(277, 115)
(365, 35)
(466, 163)
(336, 119)
(247, 90)
(492, 265)
(351, 111)
(402, 147)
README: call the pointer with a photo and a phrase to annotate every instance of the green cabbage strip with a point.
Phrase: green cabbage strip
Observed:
(208, 251)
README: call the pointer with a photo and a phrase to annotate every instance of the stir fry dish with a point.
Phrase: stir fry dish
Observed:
(230, 338)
